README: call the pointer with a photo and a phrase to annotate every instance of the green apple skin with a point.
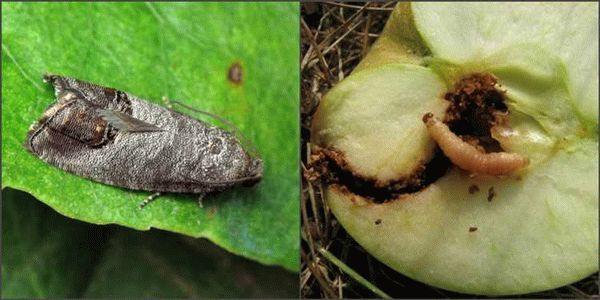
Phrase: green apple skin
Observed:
(539, 229)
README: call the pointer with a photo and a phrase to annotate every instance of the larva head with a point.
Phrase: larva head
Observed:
(543, 105)
(427, 117)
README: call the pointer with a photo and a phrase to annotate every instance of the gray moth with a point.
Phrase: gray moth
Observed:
(116, 138)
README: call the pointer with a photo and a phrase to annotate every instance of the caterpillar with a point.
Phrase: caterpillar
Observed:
(466, 156)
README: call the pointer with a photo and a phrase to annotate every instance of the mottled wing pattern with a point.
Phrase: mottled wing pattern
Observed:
(87, 113)
(95, 95)
(116, 138)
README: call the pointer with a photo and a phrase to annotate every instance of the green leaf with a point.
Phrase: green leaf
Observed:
(48, 256)
(182, 51)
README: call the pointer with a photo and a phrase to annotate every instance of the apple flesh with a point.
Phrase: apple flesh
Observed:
(382, 142)
(533, 230)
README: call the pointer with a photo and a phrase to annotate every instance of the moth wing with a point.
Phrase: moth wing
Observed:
(245, 179)
(125, 122)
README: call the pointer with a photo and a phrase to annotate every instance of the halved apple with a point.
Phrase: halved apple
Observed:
(532, 230)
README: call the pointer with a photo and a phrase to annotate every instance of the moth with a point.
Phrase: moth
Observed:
(116, 138)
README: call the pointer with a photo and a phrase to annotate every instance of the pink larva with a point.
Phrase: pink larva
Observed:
(467, 157)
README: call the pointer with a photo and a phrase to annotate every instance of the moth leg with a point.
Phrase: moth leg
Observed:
(200, 197)
(167, 102)
(149, 199)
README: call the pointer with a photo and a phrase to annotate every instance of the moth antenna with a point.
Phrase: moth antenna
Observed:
(236, 131)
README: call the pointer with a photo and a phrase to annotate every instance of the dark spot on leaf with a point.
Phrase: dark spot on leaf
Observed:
(491, 194)
(378, 221)
(473, 189)
(472, 229)
(235, 74)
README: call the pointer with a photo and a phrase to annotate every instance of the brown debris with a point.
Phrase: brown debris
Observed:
(476, 105)
(491, 194)
(312, 175)
(331, 166)
(473, 189)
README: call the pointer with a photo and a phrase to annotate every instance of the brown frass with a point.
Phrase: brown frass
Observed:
(491, 194)
(334, 169)
(476, 105)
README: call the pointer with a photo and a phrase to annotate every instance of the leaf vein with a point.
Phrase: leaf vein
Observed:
(12, 58)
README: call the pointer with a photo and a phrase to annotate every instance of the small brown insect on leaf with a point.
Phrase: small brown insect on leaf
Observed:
(378, 221)
(472, 229)
(491, 194)
(473, 189)
(235, 74)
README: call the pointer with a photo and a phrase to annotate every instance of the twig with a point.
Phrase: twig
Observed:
(358, 7)
(340, 65)
(343, 26)
(577, 292)
(342, 37)
(314, 46)
(329, 293)
(334, 260)
(306, 228)
(365, 45)
(311, 194)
